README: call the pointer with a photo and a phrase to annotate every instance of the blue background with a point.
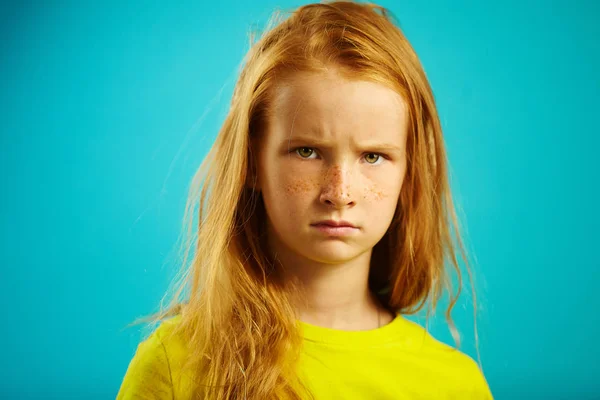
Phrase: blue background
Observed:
(108, 109)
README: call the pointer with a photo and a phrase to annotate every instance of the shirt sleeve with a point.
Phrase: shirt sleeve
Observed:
(482, 389)
(148, 375)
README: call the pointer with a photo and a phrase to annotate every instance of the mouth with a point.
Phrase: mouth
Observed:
(334, 224)
(333, 228)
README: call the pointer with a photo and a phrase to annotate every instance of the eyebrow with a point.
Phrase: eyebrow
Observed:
(324, 144)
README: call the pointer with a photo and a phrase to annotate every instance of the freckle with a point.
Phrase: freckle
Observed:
(374, 193)
(298, 186)
(336, 174)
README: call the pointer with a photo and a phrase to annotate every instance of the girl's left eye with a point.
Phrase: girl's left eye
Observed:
(372, 158)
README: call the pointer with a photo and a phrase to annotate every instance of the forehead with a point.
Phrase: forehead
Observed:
(337, 106)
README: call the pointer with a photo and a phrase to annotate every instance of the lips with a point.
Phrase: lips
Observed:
(335, 224)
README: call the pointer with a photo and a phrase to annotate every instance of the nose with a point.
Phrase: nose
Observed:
(336, 190)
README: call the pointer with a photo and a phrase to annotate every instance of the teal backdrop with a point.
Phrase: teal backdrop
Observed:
(109, 107)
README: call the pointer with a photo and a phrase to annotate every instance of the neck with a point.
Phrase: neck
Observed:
(331, 295)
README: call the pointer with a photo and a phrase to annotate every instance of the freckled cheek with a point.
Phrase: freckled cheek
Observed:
(381, 191)
(294, 181)
(291, 196)
(373, 193)
(298, 186)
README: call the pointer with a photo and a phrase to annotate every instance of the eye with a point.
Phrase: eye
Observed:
(373, 158)
(304, 152)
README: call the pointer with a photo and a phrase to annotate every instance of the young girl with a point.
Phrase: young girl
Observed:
(324, 215)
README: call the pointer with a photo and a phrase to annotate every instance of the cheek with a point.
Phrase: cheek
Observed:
(298, 181)
(294, 186)
(382, 191)
(289, 196)
(372, 192)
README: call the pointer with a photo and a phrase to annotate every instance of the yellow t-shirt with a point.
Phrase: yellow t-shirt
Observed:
(400, 360)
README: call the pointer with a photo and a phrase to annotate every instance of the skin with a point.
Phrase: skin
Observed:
(334, 149)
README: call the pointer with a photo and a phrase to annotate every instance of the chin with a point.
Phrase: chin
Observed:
(333, 252)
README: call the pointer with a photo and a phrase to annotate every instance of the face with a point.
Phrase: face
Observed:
(331, 165)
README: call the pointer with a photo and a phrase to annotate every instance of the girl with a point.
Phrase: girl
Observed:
(324, 216)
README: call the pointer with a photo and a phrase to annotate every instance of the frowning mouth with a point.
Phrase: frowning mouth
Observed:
(335, 228)
(335, 224)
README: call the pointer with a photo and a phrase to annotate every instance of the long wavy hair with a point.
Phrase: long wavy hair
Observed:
(236, 313)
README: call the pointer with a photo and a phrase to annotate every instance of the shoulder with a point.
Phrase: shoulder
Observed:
(150, 371)
(449, 361)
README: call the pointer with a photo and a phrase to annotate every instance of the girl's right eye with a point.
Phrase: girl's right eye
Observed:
(305, 152)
